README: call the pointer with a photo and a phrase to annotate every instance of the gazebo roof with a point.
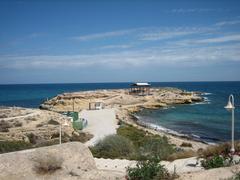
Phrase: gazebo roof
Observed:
(140, 84)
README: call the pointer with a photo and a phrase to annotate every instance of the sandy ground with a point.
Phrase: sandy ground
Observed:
(100, 123)
(179, 166)
(114, 164)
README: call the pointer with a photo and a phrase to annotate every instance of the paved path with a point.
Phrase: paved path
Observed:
(100, 123)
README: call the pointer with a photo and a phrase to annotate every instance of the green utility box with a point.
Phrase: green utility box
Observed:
(77, 125)
(74, 115)
(80, 124)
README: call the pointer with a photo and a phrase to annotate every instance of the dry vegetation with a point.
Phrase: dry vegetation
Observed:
(47, 163)
(219, 149)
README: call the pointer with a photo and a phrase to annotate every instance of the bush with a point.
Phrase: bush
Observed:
(47, 164)
(147, 170)
(17, 124)
(132, 133)
(236, 176)
(213, 162)
(81, 137)
(219, 149)
(53, 122)
(4, 126)
(185, 144)
(32, 138)
(156, 147)
(114, 146)
(10, 146)
(39, 125)
(147, 144)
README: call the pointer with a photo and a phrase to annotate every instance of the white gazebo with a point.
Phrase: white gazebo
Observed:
(142, 88)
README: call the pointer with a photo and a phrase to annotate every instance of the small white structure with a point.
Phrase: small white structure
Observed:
(96, 105)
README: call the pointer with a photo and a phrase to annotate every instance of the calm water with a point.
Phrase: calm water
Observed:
(208, 121)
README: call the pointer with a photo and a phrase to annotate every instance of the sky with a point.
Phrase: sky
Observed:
(70, 41)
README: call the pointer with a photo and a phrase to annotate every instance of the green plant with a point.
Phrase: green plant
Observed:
(114, 146)
(236, 176)
(213, 162)
(147, 170)
(219, 149)
(9, 146)
(185, 144)
(132, 133)
(146, 144)
(155, 146)
(47, 164)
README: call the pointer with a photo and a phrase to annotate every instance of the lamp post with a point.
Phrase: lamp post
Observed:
(230, 107)
(60, 131)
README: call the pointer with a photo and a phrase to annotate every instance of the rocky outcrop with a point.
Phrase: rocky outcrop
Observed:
(34, 126)
(159, 97)
(77, 163)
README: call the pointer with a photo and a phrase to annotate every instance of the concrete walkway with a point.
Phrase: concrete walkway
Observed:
(100, 123)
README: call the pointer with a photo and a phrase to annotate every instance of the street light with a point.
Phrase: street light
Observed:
(230, 107)
(60, 130)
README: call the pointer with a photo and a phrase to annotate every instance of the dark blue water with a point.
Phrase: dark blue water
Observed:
(32, 95)
(208, 120)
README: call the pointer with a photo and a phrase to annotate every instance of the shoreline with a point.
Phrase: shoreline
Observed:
(126, 105)
(175, 138)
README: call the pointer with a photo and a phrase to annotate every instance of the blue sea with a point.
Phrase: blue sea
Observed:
(208, 121)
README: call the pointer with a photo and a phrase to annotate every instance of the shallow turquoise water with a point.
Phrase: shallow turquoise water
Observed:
(208, 121)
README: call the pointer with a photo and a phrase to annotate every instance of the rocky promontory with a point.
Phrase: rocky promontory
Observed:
(120, 98)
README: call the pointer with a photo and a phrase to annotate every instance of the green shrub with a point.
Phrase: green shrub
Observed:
(147, 145)
(114, 146)
(132, 133)
(236, 176)
(148, 170)
(10, 146)
(156, 147)
(185, 144)
(213, 162)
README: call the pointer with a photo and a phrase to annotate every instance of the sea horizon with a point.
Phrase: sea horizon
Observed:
(102, 82)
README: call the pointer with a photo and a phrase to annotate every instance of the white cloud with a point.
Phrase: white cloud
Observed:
(116, 46)
(225, 23)
(155, 56)
(222, 39)
(195, 10)
(168, 33)
(103, 35)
